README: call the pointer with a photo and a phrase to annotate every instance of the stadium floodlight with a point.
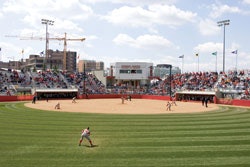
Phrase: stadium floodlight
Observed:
(223, 23)
(47, 22)
(170, 79)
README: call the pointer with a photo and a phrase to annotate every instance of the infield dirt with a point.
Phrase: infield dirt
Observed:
(115, 106)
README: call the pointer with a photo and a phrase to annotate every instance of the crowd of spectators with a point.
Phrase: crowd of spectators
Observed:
(88, 83)
(48, 79)
(10, 78)
(201, 81)
(4, 82)
(85, 82)
(195, 81)
(234, 81)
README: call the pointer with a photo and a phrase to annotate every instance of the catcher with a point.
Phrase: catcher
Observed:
(85, 134)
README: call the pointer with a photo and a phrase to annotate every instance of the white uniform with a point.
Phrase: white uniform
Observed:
(86, 134)
(74, 100)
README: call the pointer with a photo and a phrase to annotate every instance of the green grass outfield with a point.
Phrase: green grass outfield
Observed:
(35, 138)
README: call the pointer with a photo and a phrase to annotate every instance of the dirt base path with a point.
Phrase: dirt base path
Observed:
(115, 106)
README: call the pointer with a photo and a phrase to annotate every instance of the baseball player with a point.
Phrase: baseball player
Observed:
(85, 134)
(57, 106)
(74, 99)
(122, 99)
(168, 106)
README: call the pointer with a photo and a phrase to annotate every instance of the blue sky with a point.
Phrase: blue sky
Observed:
(157, 31)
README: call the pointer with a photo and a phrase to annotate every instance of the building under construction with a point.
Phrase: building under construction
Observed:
(53, 61)
(64, 60)
(90, 65)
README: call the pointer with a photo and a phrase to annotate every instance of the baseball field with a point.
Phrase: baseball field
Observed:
(38, 135)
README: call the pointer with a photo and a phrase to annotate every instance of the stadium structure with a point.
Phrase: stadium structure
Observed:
(133, 78)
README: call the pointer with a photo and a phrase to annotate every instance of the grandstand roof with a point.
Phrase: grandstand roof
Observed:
(197, 92)
(55, 90)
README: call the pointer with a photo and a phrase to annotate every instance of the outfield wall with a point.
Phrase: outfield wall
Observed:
(245, 103)
(15, 98)
(8, 98)
(234, 102)
(90, 96)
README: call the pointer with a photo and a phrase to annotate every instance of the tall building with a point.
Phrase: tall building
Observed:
(99, 65)
(90, 65)
(34, 62)
(55, 60)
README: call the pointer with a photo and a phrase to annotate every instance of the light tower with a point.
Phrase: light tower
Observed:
(223, 23)
(46, 22)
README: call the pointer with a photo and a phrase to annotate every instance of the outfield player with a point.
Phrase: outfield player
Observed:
(85, 134)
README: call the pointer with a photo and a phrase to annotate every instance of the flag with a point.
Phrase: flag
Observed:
(197, 54)
(41, 53)
(182, 56)
(0, 49)
(235, 52)
(215, 53)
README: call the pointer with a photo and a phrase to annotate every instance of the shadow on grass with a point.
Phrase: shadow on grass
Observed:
(85, 145)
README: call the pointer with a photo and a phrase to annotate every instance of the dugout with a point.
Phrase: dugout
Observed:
(195, 95)
(43, 94)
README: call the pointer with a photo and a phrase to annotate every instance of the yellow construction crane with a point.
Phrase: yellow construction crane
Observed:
(65, 39)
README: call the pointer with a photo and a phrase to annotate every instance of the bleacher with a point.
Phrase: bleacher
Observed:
(12, 82)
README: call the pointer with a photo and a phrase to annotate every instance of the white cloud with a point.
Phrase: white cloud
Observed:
(153, 30)
(155, 14)
(170, 15)
(144, 41)
(56, 10)
(17, 50)
(24, 6)
(88, 41)
(67, 25)
(133, 2)
(208, 27)
(208, 47)
(219, 10)
(152, 40)
(246, 1)
(130, 16)
(28, 32)
(124, 39)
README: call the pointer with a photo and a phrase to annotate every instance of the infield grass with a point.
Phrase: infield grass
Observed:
(35, 138)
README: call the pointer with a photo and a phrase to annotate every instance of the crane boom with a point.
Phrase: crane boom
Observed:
(65, 39)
